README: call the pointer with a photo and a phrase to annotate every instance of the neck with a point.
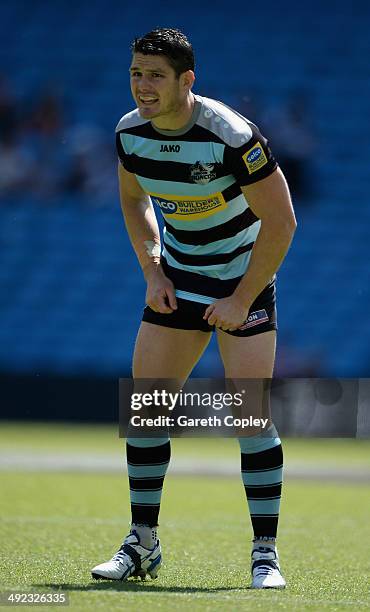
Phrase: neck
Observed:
(179, 118)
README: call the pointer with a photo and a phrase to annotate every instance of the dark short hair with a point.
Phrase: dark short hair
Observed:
(169, 42)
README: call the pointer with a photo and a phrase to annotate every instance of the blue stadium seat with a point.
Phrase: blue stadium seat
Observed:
(71, 290)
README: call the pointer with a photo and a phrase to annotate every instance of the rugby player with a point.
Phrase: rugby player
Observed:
(228, 225)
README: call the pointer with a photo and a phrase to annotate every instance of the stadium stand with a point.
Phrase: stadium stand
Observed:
(71, 292)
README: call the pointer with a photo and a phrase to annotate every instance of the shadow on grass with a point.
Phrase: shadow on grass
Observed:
(133, 586)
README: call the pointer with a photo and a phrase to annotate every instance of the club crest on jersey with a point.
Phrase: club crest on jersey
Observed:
(255, 158)
(169, 148)
(202, 173)
(255, 318)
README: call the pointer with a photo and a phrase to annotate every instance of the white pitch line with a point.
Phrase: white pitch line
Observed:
(22, 461)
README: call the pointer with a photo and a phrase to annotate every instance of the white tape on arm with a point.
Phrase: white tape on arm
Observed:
(153, 249)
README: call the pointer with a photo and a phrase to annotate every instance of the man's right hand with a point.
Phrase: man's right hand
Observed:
(160, 293)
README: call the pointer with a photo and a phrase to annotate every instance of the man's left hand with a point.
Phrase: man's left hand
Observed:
(228, 313)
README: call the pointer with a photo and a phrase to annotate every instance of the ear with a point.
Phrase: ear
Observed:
(187, 79)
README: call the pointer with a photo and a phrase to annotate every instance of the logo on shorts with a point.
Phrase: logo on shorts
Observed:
(191, 208)
(255, 318)
(202, 173)
(255, 158)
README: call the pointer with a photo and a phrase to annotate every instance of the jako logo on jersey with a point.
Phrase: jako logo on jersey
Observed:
(201, 173)
(189, 208)
(255, 318)
(169, 148)
(255, 158)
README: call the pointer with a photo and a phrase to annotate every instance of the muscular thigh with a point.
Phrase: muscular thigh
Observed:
(248, 357)
(251, 357)
(164, 352)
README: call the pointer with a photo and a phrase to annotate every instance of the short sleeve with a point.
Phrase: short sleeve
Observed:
(123, 157)
(252, 161)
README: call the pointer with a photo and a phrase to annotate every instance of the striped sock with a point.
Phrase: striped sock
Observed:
(262, 475)
(147, 463)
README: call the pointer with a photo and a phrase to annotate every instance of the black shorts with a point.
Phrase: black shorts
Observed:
(189, 315)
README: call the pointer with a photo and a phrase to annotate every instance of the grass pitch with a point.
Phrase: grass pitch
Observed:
(56, 526)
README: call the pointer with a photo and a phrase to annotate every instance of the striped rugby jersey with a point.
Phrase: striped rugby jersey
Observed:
(194, 176)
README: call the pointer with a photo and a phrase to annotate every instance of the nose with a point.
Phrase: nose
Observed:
(143, 82)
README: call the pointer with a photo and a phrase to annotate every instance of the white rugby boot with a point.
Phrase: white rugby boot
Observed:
(265, 568)
(131, 560)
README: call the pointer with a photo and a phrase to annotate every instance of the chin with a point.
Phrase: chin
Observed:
(148, 113)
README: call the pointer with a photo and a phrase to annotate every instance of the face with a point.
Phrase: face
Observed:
(155, 88)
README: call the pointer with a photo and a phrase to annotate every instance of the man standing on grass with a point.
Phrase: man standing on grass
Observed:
(228, 225)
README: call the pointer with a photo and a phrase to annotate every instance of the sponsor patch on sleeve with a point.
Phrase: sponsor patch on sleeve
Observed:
(255, 158)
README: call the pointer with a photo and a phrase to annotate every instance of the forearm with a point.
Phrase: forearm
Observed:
(268, 252)
(143, 231)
